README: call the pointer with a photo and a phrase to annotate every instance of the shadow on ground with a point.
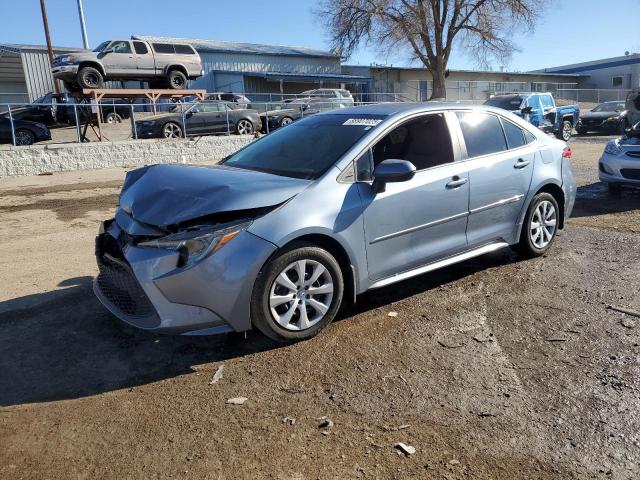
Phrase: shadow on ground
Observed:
(70, 346)
(595, 199)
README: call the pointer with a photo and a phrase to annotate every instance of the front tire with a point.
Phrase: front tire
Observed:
(171, 130)
(89, 77)
(297, 294)
(540, 226)
(565, 131)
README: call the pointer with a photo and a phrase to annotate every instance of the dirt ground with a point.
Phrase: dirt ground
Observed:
(497, 368)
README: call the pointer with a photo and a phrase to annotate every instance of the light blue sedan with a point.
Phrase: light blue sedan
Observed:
(284, 231)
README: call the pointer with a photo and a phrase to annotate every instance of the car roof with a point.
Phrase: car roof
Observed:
(394, 108)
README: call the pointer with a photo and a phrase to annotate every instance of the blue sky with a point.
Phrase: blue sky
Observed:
(571, 31)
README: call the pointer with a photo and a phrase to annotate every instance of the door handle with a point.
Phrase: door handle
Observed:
(521, 163)
(456, 182)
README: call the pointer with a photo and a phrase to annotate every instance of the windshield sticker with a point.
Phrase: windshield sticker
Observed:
(365, 122)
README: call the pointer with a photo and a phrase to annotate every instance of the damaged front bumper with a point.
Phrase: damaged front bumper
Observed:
(145, 287)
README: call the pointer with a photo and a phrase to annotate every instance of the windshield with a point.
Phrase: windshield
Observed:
(609, 107)
(305, 149)
(506, 102)
(102, 46)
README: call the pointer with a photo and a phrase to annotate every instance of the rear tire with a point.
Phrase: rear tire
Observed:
(540, 226)
(177, 80)
(244, 127)
(89, 77)
(284, 306)
(286, 121)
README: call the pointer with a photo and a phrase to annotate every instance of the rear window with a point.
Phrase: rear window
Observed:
(184, 49)
(163, 48)
(482, 133)
(510, 102)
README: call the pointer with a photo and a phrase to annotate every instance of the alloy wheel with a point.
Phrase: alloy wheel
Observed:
(244, 127)
(171, 130)
(285, 121)
(566, 131)
(301, 295)
(543, 224)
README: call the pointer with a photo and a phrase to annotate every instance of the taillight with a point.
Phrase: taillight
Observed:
(566, 153)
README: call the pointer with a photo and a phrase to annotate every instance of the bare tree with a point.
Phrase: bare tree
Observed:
(429, 29)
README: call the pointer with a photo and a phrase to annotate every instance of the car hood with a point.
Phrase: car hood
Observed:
(163, 195)
(598, 115)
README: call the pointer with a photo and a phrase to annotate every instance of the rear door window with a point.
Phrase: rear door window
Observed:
(482, 133)
(514, 134)
(140, 48)
(163, 48)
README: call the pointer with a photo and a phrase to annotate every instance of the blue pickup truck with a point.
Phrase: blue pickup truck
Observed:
(540, 110)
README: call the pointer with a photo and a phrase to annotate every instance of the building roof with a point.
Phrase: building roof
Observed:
(22, 48)
(575, 68)
(241, 47)
(308, 76)
(495, 72)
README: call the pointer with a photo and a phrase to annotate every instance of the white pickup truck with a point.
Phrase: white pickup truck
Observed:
(162, 64)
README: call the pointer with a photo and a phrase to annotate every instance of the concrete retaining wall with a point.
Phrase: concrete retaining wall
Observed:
(36, 159)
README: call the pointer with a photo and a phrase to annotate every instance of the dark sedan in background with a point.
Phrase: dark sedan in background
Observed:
(288, 113)
(26, 132)
(608, 117)
(202, 118)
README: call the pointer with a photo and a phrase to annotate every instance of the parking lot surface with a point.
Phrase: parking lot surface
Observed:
(494, 368)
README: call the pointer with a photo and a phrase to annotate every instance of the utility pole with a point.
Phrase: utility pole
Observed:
(45, 22)
(83, 28)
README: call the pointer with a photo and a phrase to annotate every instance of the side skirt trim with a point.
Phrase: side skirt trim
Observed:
(492, 247)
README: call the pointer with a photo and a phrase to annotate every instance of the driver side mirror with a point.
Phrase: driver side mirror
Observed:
(527, 110)
(391, 171)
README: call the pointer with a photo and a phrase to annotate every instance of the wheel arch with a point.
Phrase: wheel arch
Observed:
(336, 249)
(176, 66)
(95, 65)
(556, 192)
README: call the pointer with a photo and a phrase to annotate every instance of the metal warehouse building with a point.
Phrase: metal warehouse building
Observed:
(25, 71)
(616, 72)
(254, 68)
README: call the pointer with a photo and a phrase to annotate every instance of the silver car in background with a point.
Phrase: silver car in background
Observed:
(620, 162)
(286, 229)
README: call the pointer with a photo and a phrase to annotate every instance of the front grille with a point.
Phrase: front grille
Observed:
(118, 284)
(633, 154)
(631, 173)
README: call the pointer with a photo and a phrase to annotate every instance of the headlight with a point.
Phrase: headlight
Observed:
(68, 59)
(197, 243)
(612, 148)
